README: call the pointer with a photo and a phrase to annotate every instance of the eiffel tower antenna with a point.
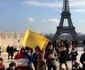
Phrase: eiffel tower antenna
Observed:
(65, 5)
(70, 29)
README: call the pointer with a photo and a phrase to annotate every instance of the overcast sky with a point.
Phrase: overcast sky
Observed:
(41, 16)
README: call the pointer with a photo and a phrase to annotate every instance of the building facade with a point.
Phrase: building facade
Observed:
(11, 38)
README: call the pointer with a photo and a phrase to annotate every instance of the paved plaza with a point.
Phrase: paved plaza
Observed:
(6, 61)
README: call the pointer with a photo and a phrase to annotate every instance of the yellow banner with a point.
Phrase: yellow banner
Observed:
(32, 39)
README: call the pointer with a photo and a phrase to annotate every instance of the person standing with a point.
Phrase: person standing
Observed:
(21, 59)
(50, 56)
(8, 51)
(38, 59)
(82, 59)
(12, 52)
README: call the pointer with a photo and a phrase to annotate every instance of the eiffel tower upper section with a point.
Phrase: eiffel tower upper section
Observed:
(65, 14)
(66, 29)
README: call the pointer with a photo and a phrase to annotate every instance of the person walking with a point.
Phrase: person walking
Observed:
(63, 58)
(73, 55)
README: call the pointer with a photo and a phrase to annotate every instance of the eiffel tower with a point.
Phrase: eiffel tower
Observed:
(70, 29)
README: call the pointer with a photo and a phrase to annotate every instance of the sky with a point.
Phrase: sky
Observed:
(41, 16)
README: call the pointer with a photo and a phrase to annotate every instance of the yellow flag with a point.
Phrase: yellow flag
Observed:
(32, 39)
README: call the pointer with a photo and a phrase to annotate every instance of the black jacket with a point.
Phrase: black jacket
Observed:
(82, 58)
(63, 57)
(14, 69)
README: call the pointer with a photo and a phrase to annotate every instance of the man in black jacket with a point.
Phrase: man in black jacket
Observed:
(10, 51)
(63, 58)
(82, 59)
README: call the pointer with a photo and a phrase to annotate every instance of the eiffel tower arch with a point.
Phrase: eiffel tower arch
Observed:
(70, 29)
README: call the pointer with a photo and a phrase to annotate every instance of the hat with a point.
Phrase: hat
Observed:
(76, 64)
(12, 64)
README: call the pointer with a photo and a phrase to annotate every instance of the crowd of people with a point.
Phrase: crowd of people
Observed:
(56, 51)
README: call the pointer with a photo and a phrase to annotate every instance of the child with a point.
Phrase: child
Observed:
(12, 66)
(2, 67)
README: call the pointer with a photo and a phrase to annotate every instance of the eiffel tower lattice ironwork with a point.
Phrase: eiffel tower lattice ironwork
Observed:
(70, 29)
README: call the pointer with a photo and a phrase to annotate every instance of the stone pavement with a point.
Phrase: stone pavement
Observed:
(6, 61)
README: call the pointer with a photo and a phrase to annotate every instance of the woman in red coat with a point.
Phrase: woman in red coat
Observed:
(21, 59)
